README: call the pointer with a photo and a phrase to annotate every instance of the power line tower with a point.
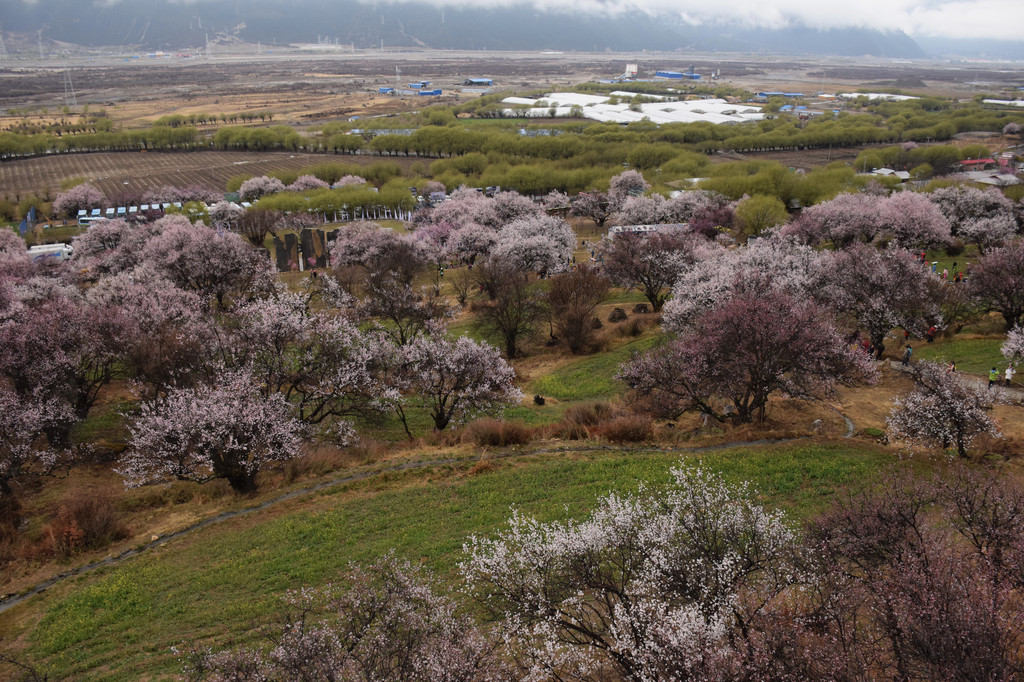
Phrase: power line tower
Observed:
(69, 90)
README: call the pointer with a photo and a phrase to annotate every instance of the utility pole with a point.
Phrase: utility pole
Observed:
(69, 90)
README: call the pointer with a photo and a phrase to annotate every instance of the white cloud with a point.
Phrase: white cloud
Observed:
(997, 19)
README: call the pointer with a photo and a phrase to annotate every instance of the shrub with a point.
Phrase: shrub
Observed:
(83, 522)
(618, 315)
(588, 414)
(633, 327)
(627, 429)
(318, 461)
(487, 431)
(570, 431)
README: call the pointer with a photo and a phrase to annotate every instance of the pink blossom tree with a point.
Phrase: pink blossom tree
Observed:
(388, 624)
(705, 211)
(113, 246)
(593, 205)
(914, 221)
(650, 262)
(625, 184)
(717, 273)
(540, 243)
(24, 450)
(59, 347)
(260, 186)
(465, 212)
(641, 210)
(306, 183)
(758, 343)
(982, 217)
(169, 337)
(997, 282)
(326, 367)
(648, 586)
(349, 181)
(79, 197)
(456, 379)
(847, 218)
(214, 265)
(991, 232)
(878, 290)
(225, 213)
(925, 569)
(942, 410)
(366, 244)
(556, 201)
(14, 259)
(227, 430)
(510, 206)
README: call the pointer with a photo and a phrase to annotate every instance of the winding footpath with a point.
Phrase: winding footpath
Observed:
(11, 601)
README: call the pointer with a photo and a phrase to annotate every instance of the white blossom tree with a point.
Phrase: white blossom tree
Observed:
(943, 410)
(651, 586)
(715, 273)
(540, 243)
(456, 379)
(1013, 347)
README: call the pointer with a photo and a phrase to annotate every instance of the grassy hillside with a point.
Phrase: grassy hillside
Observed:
(218, 584)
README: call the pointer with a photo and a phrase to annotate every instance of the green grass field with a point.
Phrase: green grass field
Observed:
(591, 377)
(218, 584)
(976, 356)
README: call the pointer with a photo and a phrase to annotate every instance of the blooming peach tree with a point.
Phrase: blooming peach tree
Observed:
(943, 410)
(456, 379)
(228, 429)
(647, 587)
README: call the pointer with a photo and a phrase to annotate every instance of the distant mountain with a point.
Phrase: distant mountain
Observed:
(163, 25)
(973, 48)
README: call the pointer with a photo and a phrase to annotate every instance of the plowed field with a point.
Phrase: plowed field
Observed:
(115, 172)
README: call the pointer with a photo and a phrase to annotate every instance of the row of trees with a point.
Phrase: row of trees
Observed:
(912, 579)
(230, 368)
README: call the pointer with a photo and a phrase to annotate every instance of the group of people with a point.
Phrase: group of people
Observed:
(955, 276)
(993, 375)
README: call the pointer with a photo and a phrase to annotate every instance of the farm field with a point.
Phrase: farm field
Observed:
(115, 172)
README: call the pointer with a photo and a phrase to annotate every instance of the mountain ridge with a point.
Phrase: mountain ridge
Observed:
(164, 25)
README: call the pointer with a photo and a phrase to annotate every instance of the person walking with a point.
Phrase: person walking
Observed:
(951, 367)
(907, 353)
(1010, 371)
(993, 377)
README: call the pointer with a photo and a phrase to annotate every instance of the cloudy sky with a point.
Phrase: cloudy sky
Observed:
(997, 19)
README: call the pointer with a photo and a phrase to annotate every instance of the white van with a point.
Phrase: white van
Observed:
(50, 253)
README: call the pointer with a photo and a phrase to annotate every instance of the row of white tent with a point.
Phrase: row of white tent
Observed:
(86, 216)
